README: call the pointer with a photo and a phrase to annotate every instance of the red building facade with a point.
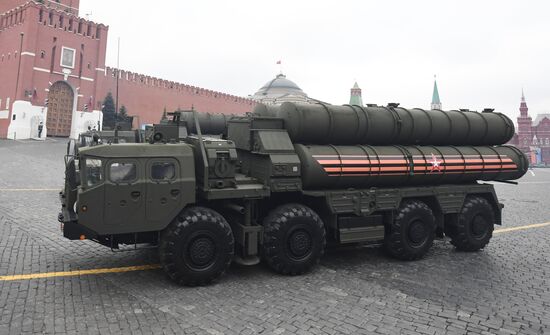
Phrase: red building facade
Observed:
(533, 137)
(50, 54)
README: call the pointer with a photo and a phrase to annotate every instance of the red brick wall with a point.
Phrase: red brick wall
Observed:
(146, 97)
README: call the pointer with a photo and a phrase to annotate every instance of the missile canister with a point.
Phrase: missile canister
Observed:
(321, 123)
(213, 124)
(363, 166)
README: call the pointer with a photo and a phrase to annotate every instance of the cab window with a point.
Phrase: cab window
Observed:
(163, 171)
(94, 175)
(122, 172)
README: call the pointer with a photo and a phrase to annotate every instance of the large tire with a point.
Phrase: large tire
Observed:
(197, 247)
(294, 239)
(412, 232)
(472, 228)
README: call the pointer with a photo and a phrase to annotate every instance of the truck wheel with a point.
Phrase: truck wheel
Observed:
(412, 232)
(197, 247)
(473, 227)
(294, 239)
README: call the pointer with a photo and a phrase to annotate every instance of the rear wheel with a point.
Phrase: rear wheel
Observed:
(197, 247)
(412, 232)
(472, 229)
(294, 239)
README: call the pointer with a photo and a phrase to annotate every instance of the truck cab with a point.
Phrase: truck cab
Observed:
(142, 184)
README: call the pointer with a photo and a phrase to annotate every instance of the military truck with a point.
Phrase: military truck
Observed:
(280, 183)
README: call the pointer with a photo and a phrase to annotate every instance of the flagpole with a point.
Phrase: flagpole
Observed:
(116, 101)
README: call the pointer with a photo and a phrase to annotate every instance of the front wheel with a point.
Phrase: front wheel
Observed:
(197, 247)
(294, 239)
(473, 227)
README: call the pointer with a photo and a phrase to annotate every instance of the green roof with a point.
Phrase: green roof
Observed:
(435, 96)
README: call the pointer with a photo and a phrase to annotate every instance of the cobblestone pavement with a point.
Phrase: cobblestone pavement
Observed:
(504, 289)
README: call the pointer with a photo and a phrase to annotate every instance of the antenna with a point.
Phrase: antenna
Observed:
(88, 16)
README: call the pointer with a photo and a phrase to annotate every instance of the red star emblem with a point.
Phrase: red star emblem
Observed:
(436, 165)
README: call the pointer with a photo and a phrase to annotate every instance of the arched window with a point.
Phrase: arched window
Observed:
(89, 32)
(50, 21)
(79, 27)
(98, 33)
(61, 21)
(71, 24)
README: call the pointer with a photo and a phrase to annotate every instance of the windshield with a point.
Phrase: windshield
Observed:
(94, 174)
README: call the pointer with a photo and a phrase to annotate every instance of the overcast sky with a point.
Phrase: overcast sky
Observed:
(483, 52)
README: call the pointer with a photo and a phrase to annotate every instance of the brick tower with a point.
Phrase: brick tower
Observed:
(49, 63)
(525, 126)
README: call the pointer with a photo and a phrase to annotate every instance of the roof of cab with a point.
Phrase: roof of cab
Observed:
(137, 150)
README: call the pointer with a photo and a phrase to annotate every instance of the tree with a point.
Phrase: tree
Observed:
(109, 112)
(164, 116)
(123, 114)
(124, 121)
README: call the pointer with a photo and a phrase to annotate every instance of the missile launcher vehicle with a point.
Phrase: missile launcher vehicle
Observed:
(280, 183)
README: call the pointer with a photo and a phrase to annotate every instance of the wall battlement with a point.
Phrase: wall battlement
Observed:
(128, 77)
(52, 17)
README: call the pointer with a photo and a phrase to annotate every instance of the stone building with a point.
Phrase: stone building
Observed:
(533, 137)
(279, 90)
(52, 70)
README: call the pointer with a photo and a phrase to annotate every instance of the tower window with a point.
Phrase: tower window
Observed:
(98, 33)
(61, 19)
(50, 19)
(80, 27)
(89, 32)
(41, 16)
(71, 24)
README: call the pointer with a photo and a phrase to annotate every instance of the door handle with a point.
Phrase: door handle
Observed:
(135, 194)
(175, 192)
